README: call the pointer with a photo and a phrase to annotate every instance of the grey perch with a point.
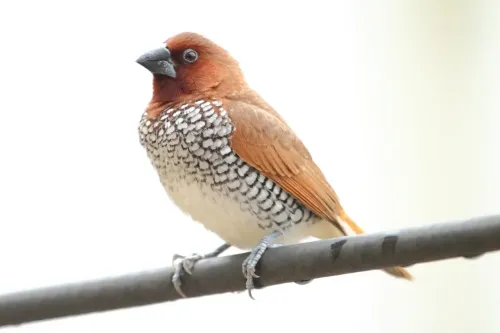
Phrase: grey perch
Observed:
(468, 238)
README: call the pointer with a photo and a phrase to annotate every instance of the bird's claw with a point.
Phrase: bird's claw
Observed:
(250, 263)
(176, 278)
(249, 274)
(188, 262)
(183, 264)
(248, 267)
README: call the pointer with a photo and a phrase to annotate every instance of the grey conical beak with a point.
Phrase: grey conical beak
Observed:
(158, 61)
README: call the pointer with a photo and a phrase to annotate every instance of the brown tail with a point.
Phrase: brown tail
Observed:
(399, 272)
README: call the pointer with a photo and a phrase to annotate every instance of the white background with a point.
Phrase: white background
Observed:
(398, 101)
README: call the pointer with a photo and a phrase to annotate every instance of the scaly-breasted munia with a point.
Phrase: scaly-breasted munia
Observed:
(229, 160)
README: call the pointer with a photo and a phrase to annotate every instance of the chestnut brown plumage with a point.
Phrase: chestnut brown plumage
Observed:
(213, 139)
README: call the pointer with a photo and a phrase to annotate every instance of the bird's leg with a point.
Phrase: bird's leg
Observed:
(186, 264)
(251, 261)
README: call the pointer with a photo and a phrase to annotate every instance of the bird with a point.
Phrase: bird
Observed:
(229, 160)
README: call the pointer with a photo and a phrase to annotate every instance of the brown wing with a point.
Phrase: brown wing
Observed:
(268, 144)
(265, 141)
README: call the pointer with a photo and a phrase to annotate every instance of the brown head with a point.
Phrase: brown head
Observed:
(192, 66)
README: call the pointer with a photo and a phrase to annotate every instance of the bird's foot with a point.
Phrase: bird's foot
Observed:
(187, 263)
(250, 263)
(183, 264)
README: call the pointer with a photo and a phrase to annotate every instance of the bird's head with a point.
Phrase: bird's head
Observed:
(191, 66)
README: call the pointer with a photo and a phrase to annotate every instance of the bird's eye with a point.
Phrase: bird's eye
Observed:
(190, 56)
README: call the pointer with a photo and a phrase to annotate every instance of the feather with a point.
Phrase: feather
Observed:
(269, 145)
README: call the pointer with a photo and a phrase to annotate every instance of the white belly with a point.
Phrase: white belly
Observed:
(189, 147)
(218, 214)
(223, 215)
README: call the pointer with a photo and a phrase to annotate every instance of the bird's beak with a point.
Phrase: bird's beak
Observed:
(158, 61)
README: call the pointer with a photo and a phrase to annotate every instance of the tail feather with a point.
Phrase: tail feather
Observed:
(397, 271)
